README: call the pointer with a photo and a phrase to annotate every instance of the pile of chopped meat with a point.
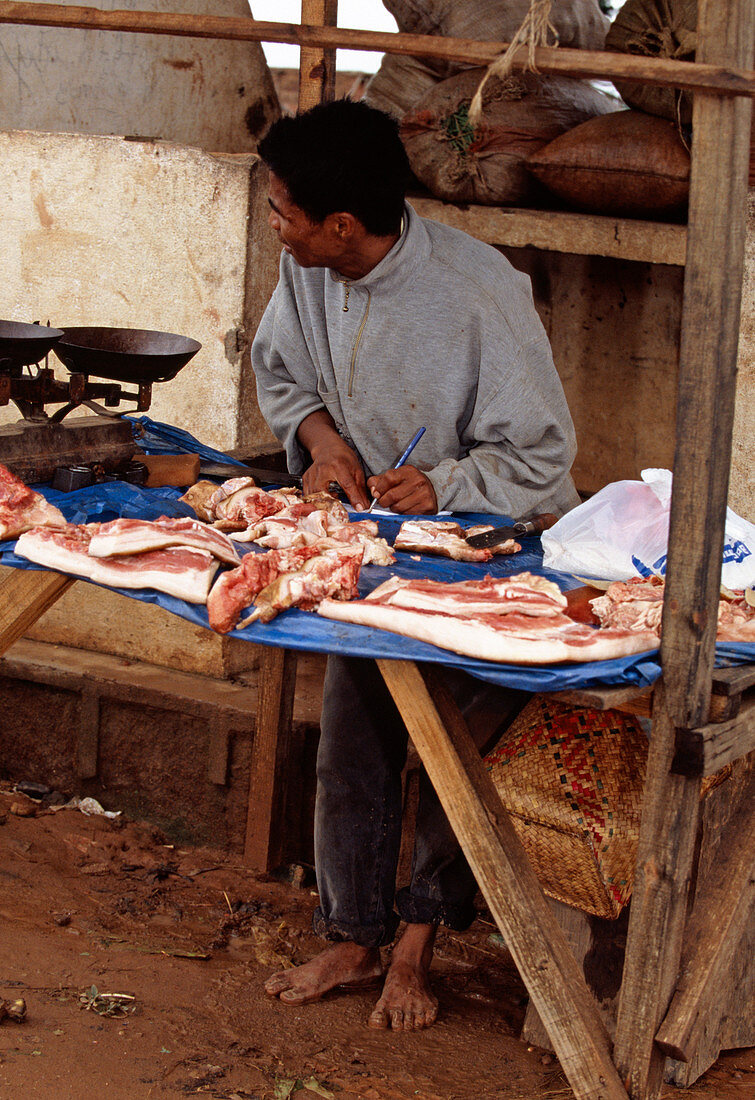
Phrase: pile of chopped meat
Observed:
(297, 576)
(449, 540)
(637, 604)
(283, 518)
(176, 556)
(519, 619)
(21, 508)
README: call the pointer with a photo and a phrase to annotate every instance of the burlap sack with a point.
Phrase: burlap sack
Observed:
(656, 28)
(400, 82)
(522, 114)
(631, 164)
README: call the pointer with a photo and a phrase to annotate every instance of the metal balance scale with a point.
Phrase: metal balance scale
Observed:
(41, 443)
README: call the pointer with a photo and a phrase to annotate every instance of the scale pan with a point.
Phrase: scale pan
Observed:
(125, 354)
(24, 344)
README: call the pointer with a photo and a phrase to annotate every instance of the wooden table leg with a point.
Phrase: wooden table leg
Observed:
(554, 980)
(269, 770)
(25, 595)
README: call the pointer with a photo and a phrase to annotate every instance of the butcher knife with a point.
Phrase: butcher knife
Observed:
(261, 474)
(520, 529)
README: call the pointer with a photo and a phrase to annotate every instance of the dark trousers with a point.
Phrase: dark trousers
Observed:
(358, 816)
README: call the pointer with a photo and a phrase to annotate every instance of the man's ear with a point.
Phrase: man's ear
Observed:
(343, 225)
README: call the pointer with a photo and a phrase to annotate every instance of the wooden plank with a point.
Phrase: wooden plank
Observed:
(25, 594)
(268, 778)
(560, 231)
(219, 751)
(733, 681)
(317, 64)
(632, 700)
(719, 80)
(88, 735)
(707, 749)
(552, 976)
(707, 377)
(575, 926)
(719, 919)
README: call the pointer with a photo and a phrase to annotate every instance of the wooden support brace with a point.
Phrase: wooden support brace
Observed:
(88, 738)
(317, 65)
(269, 765)
(553, 978)
(721, 911)
(705, 750)
(25, 595)
(705, 413)
(218, 752)
(664, 72)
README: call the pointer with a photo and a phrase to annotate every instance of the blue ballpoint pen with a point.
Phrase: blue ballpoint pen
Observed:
(400, 461)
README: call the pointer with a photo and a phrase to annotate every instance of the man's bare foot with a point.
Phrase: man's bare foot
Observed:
(407, 1002)
(341, 964)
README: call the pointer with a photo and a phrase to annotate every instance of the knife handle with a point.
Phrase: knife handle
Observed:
(535, 525)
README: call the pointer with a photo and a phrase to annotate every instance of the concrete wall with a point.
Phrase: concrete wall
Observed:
(216, 95)
(103, 231)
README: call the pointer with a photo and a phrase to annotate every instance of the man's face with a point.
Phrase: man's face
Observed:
(311, 244)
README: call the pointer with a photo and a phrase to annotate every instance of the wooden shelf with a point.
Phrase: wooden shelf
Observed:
(559, 231)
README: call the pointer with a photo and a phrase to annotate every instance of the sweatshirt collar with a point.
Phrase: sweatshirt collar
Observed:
(410, 251)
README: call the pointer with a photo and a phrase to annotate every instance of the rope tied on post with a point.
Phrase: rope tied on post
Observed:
(534, 31)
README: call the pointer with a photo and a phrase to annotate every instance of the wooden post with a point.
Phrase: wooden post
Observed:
(317, 65)
(553, 978)
(268, 778)
(707, 378)
(25, 595)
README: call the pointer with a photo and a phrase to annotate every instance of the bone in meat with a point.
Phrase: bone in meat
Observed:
(22, 508)
(334, 574)
(448, 540)
(235, 589)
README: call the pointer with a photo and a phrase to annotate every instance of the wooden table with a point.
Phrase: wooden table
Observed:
(554, 979)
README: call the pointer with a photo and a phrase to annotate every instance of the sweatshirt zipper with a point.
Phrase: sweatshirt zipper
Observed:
(352, 365)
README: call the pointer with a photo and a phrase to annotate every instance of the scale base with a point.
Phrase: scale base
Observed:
(33, 451)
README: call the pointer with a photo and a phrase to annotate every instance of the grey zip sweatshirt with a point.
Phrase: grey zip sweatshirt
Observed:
(441, 334)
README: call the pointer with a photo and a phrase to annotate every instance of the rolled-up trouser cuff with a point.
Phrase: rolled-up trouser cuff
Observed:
(416, 910)
(338, 932)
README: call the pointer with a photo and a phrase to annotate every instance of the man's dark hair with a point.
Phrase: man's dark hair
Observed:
(341, 156)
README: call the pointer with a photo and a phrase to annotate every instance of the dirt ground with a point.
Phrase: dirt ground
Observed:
(91, 907)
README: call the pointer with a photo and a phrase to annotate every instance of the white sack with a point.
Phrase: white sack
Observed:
(622, 532)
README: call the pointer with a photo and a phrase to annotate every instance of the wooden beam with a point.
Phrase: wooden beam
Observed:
(663, 72)
(317, 64)
(631, 700)
(553, 978)
(719, 918)
(707, 379)
(561, 231)
(88, 735)
(269, 775)
(25, 595)
(705, 750)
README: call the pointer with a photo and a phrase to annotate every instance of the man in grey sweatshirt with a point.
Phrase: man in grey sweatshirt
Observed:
(384, 322)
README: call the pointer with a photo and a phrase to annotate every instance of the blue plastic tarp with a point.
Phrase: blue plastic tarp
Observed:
(301, 630)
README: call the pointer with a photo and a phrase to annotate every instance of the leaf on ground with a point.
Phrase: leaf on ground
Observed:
(313, 1085)
(284, 1086)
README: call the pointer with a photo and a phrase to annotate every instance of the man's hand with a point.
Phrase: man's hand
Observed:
(406, 490)
(332, 460)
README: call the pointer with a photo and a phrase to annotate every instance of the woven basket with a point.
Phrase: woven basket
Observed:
(572, 781)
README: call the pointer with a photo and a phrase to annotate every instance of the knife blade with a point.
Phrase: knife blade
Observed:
(261, 474)
(520, 529)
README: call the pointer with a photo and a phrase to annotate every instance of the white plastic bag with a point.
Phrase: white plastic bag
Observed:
(622, 532)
